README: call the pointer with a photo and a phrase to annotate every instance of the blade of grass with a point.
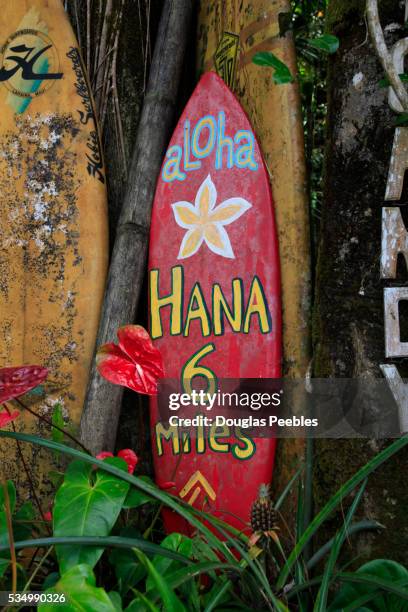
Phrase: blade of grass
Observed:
(355, 528)
(12, 546)
(321, 600)
(347, 488)
(216, 597)
(300, 525)
(111, 541)
(287, 489)
(176, 579)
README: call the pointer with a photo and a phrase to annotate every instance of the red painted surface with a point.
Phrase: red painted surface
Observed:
(253, 252)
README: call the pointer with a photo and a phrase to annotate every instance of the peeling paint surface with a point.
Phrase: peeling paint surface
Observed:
(53, 241)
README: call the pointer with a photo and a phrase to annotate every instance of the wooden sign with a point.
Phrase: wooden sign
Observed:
(214, 289)
(53, 217)
(394, 243)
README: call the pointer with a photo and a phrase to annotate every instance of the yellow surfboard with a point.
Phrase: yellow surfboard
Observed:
(229, 34)
(53, 215)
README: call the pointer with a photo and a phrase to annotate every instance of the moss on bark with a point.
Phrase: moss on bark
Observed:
(345, 13)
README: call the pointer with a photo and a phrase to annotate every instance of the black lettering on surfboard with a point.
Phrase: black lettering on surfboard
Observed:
(95, 158)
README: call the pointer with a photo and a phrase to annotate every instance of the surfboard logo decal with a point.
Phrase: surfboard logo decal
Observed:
(205, 222)
(29, 63)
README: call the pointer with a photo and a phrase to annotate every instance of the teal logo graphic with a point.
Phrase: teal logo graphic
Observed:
(29, 65)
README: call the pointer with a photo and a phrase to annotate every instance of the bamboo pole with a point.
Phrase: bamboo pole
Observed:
(102, 407)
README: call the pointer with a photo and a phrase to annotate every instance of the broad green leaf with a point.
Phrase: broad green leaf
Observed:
(87, 504)
(58, 420)
(379, 570)
(281, 73)
(326, 43)
(82, 595)
(136, 498)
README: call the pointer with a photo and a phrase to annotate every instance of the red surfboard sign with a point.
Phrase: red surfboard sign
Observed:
(214, 297)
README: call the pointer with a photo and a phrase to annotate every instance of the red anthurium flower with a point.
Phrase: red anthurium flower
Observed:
(17, 381)
(127, 454)
(7, 417)
(103, 455)
(130, 457)
(134, 362)
(48, 516)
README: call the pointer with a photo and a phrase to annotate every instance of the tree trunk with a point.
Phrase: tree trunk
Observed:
(127, 269)
(348, 318)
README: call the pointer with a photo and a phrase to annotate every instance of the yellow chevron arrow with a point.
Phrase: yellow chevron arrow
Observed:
(200, 479)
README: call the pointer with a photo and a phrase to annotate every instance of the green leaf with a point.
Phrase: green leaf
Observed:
(87, 504)
(136, 498)
(347, 488)
(355, 528)
(368, 580)
(109, 542)
(50, 581)
(58, 420)
(287, 489)
(326, 43)
(163, 565)
(321, 600)
(171, 602)
(185, 574)
(82, 595)
(116, 600)
(128, 569)
(281, 73)
(141, 604)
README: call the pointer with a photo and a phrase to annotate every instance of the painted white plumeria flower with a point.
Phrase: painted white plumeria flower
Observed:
(205, 222)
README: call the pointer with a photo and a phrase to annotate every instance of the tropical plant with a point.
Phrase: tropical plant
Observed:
(106, 531)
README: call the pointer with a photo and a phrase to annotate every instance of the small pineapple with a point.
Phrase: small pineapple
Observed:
(263, 515)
